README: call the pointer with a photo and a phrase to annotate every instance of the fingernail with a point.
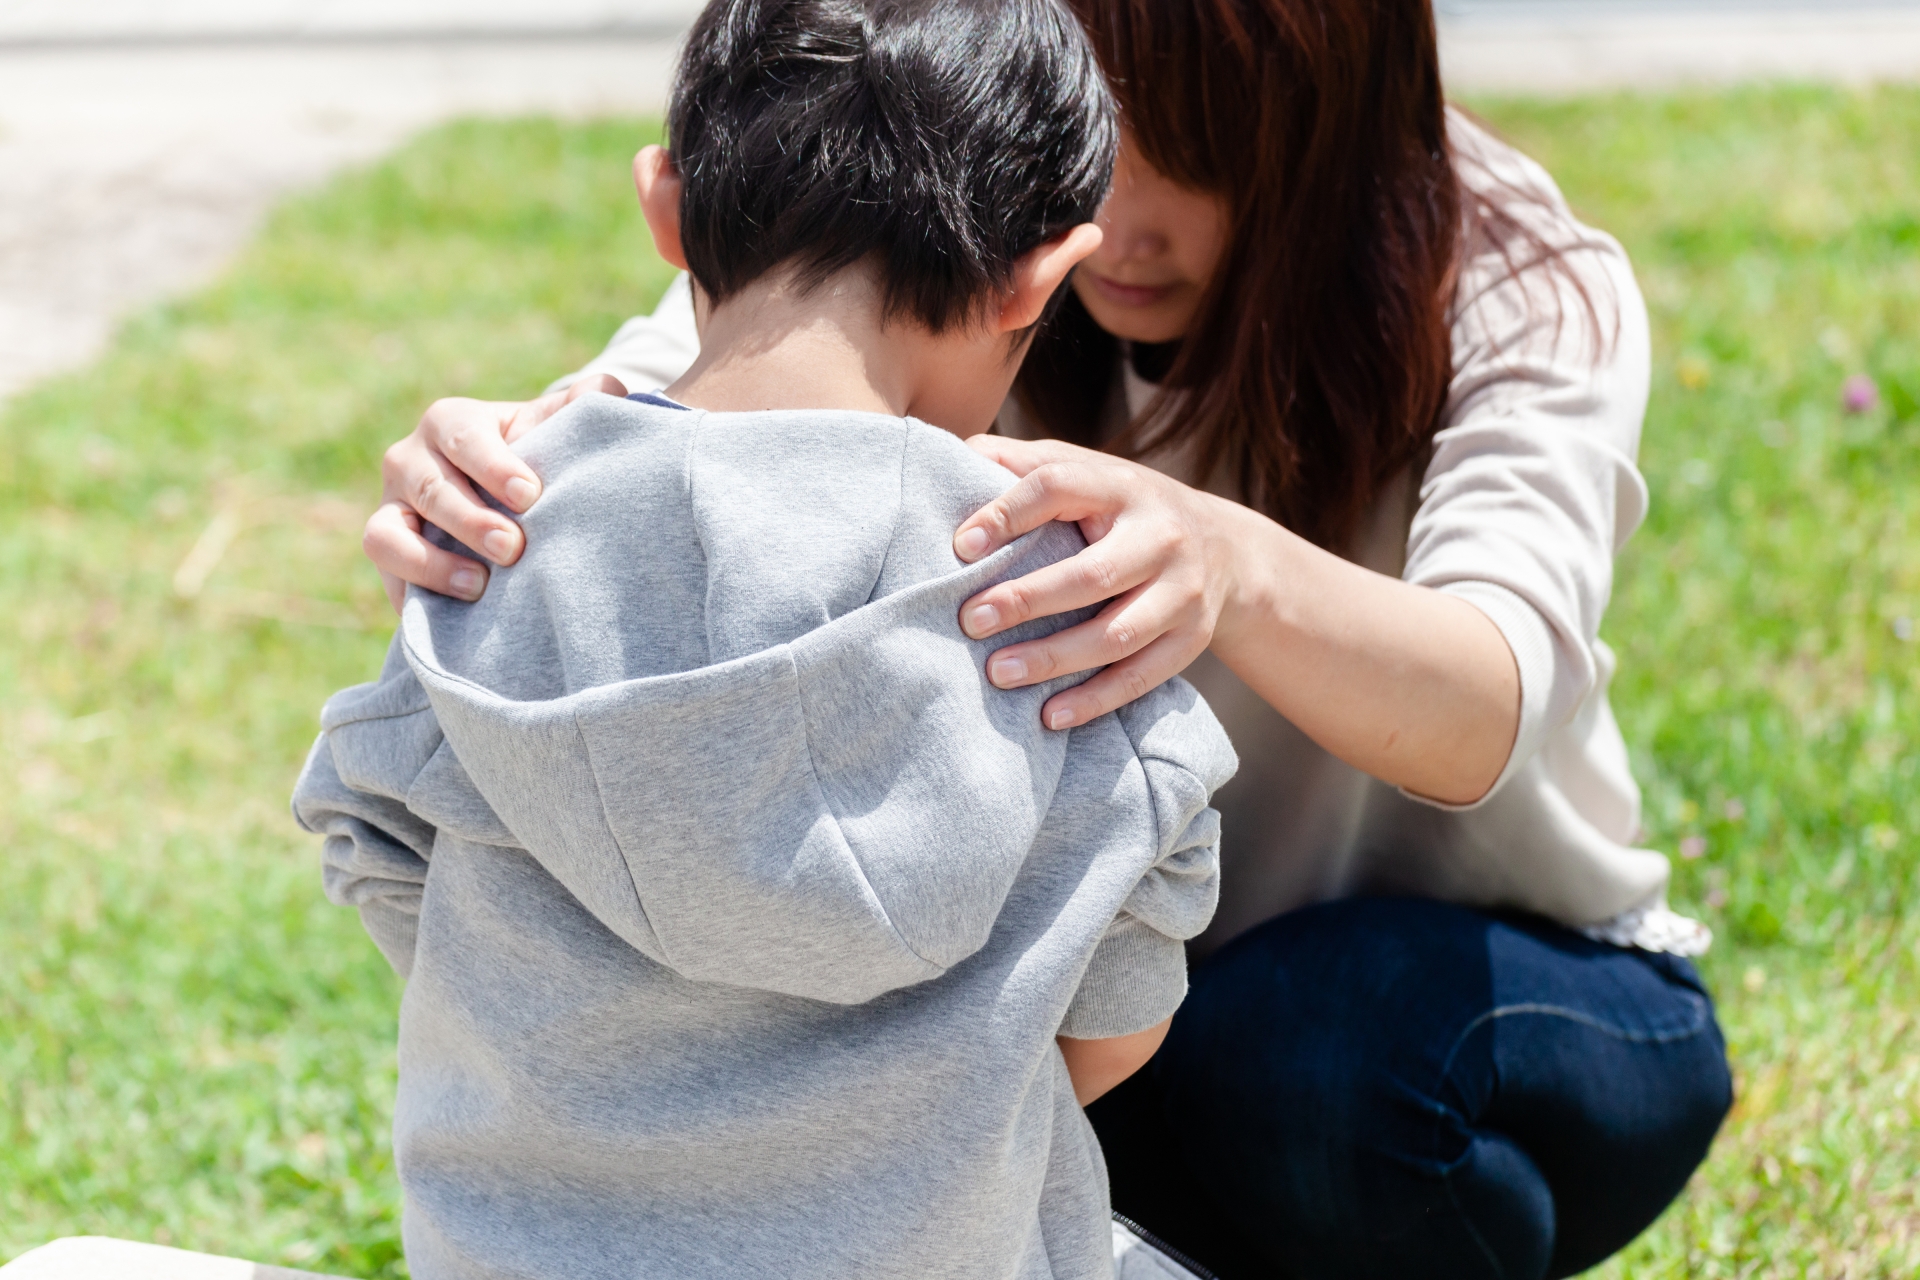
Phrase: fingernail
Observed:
(1061, 719)
(498, 545)
(521, 492)
(971, 544)
(467, 583)
(1006, 671)
(981, 620)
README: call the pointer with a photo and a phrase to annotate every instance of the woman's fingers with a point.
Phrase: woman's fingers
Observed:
(1158, 552)
(1085, 488)
(530, 414)
(1123, 682)
(433, 488)
(394, 543)
(1125, 627)
(472, 435)
(1022, 456)
(430, 475)
(1115, 633)
(1101, 572)
(1116, 559)
(476, 435)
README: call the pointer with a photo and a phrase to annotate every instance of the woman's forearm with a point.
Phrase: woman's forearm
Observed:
(1411, 685)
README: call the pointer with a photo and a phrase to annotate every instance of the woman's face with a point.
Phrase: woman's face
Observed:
(1163, 242)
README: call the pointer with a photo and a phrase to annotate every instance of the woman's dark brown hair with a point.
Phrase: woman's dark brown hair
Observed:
(1318, 364)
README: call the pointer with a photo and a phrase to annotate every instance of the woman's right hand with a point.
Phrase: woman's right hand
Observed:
(429, 478)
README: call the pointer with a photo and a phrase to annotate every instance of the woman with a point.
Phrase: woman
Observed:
(1347, 406)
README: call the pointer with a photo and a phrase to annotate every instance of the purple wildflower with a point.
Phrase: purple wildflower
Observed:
(1859, 394)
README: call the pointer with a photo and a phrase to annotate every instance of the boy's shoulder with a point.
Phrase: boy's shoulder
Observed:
(800, 447)
(817, 491)
(942, 482)
(597, 434)
(669, 538)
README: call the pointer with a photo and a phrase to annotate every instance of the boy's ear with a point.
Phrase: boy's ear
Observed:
(1040, 271)
(658, 183)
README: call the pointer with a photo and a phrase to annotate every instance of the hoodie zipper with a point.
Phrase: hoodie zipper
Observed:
(1147, 1237)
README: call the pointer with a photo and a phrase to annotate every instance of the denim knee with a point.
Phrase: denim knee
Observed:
(1411, 1089)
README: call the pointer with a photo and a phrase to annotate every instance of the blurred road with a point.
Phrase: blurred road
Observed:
(1572, 46)
(141, 140)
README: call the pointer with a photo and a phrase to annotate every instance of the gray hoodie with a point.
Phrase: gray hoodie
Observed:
(739, 912)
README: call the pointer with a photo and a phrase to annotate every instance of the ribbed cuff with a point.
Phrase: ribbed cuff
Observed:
(1136, 979)
(1531, 640)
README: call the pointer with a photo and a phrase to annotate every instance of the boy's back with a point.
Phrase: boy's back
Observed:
(753, 908)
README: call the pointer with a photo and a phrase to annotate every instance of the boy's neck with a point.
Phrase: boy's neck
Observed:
(775, 346)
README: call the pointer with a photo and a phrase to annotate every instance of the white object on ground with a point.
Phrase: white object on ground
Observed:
(1135, 1259)
(99, 1258)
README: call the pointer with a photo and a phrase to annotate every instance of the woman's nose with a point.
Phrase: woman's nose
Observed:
(1130, 238)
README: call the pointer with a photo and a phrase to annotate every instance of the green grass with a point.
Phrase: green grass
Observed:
(198, 1049)
(1771, 702)
(194, 1046)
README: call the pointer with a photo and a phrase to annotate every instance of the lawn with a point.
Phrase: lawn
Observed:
(198, 1049)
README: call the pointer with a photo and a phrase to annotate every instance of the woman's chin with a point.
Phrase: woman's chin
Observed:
(1139, 324)
(1161, 318)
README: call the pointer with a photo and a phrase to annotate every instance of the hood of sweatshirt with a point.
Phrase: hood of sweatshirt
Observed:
(725, 701)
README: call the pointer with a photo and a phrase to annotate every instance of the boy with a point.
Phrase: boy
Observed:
(740, 914)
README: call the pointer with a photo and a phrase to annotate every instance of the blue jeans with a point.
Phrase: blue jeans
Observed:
(1398, 1088)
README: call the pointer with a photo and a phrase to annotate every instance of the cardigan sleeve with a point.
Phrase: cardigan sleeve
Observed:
(1532, 487)
(649, 352)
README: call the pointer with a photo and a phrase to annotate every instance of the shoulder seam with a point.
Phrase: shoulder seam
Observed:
(693, 524)
(899, 507)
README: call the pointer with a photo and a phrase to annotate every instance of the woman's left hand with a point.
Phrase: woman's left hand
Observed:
(1160, 553)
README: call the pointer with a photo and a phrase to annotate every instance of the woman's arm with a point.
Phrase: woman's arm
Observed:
(1437, 683)
(1413, 686)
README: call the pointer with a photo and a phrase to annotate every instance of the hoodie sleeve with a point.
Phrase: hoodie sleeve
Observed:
(374, 740)
(1138, 974)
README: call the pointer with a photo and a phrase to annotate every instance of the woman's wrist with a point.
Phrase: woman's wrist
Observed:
(1258, 556)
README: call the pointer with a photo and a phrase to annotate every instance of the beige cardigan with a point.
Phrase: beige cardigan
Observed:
(1530, 491)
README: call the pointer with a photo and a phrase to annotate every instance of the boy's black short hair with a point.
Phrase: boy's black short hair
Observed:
(944, 138)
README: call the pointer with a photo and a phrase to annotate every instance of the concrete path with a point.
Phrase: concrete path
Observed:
(1577, 46)
(142, 22)
(141, 140)
(128, 173)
